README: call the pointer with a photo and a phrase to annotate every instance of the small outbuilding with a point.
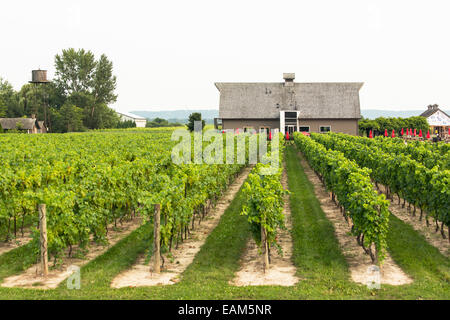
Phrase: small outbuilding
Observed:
(30, 125)
(127, 116)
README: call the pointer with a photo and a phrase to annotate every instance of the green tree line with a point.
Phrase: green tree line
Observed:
(76, 100)
(380, 124)
(159, 122)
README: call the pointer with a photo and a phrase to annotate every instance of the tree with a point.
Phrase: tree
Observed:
(3, 110)
(418, 122)
(103, 117)
(89, 84)
(196, 116)
(74, 70)
(126, 124)
(71, 118)
(104, 82)
(7, 97)
(37, 99)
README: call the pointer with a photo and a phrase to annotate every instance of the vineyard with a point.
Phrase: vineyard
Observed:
(425, 188)
(92, 183)
(98, 181)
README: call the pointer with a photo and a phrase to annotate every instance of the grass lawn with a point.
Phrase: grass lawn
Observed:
(320, 263)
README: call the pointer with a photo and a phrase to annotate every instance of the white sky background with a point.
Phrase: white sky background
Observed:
(168, 54)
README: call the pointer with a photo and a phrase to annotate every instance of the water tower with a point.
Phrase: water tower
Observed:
(38, 78)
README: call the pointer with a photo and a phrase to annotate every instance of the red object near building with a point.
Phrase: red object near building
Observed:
(393, 133)
(428, 134)
(287, 135)
(414, 132)
(420, 133)
(270, 135)
(385, 133)
(370, 134)
(402, 131)
(237, 131)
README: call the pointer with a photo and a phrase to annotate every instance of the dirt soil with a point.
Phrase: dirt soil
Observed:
(141, 274)
(433, 238)
(359, 262)
(15, 243)
(33, 278)
(281, 269)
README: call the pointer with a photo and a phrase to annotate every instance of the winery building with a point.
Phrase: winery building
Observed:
(438, 120)
(290, 106)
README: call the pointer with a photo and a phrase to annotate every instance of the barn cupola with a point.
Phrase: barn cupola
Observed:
(288, 79)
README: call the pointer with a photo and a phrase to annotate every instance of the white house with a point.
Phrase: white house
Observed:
(126, 116)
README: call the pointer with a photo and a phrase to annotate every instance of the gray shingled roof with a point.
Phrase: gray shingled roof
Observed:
(432, 111)
(12, 123)
(313, 100)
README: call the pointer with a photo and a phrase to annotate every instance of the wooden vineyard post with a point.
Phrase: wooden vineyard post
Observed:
(265, 249)
(156, 238)
(43, 238)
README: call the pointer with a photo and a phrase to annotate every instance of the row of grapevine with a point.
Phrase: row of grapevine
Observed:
(424, 188)
(352, 190)
(429, 154)
(263, 205)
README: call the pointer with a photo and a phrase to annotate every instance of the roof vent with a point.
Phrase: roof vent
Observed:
(433, 107)
(289, 79)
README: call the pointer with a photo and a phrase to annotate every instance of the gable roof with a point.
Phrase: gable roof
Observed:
(432, 111)
(313, 100)
(12, 123)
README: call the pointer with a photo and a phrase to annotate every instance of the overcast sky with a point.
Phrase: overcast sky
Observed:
(168, 54)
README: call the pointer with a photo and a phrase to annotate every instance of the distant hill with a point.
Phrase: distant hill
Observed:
(210, 114)
(178, 115)
(375, 113)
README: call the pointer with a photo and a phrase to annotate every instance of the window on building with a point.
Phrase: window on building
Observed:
(264, 129)
(324, 129)
(290, 115)
(248, 129)
(304, 129)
